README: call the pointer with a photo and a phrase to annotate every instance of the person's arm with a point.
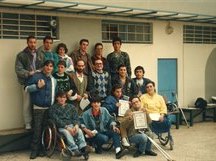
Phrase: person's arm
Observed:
(70, 65)
(90, 85)
(110, 104)
(127, 63)
(19, 68)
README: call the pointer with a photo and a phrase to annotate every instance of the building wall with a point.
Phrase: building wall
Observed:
(191, 62)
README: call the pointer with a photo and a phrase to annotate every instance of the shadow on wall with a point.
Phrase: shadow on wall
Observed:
(210, 76)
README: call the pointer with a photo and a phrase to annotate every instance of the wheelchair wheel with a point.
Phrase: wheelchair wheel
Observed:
(49, 138)
(107, 146)
(164, 138)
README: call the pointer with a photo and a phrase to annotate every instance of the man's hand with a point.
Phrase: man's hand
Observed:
(69, 93)
(88, 133)
(85, 96)
(115, 129)
(41, 83)
(31, 72)
(118, 104)
(161, 118)
(73, 131)
(79, 97)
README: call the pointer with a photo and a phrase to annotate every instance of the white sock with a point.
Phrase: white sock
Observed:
(118, 149)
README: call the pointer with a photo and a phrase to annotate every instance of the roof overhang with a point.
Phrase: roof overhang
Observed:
(56, 7)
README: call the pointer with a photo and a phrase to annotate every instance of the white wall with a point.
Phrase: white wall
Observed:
(191, 62)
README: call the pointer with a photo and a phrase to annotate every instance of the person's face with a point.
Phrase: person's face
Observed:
(96, 106)
(99, 50)
(84, 46)
(48, 68)
(32, 44)
(139, 74)
(48, 44)
(136, 104)
(98, 65)
(61, 69)
(150, 88)
(118, 93)
(61, 51)
(80, 66)
(61, 100)
(122, 71)
(117, 46)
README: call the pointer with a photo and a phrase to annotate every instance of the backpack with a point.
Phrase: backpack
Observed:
(200, 103)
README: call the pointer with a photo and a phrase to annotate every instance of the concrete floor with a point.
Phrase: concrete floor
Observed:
(197, 143)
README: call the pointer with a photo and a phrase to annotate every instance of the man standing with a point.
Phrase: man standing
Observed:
(82, 54)
(99, 81)
(27, 63)
(118, 57)
(41, 86)
(80, 80)
(46, 52)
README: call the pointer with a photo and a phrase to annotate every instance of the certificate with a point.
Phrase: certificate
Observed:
(123, 108)
(84, 103)
(140, 121)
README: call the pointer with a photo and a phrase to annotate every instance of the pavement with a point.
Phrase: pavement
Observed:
(197, 143)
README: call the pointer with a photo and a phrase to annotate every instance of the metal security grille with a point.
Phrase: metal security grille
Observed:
(20, 26)
(128, 31)
(199, 34)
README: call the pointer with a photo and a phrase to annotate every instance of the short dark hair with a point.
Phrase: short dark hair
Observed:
(132, 97)
(96, 60)
(98, 44)
(61, 94)
(139, 68)
(62, 62)
(116, 39)
(47, 62)
(79, 60)
(48, 37)
(83, 40)
(116, 86)
(62, 45)
(30, 37)
(150, 82)
(121, 65)
(95, 99)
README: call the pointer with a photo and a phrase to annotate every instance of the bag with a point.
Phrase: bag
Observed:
(200, 103)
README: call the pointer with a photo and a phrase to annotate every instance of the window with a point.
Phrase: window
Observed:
(128, 31)
(199, 34)
(20, 26)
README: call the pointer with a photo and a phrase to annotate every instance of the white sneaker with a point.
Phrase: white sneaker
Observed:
(28, 126)
(125, 142)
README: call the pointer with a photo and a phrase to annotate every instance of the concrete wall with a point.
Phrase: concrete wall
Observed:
(191, 62)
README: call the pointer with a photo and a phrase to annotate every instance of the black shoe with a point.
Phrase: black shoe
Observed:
(84, 153)
(33, 154)
(137, 154)
(151, 153)
(42, 153)
(76, 153)
(121, 153)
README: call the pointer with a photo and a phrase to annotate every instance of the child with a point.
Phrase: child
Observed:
(67, 121)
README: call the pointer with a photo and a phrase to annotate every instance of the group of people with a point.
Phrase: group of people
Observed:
(54, 83)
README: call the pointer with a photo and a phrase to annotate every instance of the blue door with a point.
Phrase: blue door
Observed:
(167, 78)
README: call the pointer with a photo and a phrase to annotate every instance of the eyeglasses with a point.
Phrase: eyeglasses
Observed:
(98, 63)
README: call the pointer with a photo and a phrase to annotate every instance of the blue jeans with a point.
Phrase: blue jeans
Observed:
(141, 142)
(74, 142)
(102, 137)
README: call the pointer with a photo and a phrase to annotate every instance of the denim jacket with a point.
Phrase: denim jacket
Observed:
(106, 120)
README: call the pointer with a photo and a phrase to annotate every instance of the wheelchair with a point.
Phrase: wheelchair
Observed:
(162, 129)
(52, 140)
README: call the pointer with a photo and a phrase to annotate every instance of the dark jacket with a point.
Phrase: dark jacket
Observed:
(23, 65)
(142, 87)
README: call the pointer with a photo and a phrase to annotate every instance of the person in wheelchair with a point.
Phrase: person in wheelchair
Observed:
(66, 119)
(99, 127)
(156, 108)
(136, 136)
